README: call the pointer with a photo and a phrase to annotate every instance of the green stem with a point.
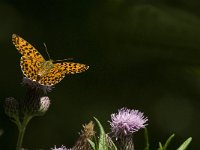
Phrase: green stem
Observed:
(146, 136)
(20, 138)
(22, 129)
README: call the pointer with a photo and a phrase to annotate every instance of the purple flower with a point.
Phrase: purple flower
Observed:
(126, 122)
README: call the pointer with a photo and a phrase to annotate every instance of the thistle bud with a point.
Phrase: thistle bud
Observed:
(34, 102)
(11, 107)
(44, 104)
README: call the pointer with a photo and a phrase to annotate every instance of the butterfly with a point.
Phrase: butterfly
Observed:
(44, 72)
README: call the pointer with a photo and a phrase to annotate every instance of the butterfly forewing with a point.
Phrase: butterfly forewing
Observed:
(26, 49)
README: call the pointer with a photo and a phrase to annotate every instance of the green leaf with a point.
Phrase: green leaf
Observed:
(146, 136)
(102, 143)
(185, 144)
(92, 144)
(112, 145)
(168, 142)
(160, 146)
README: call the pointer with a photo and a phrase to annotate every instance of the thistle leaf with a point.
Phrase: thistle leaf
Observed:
(102, 143)
(185, 144)
(92, 144)
(168, 142)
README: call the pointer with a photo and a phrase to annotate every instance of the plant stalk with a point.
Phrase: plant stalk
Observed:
(22, 129)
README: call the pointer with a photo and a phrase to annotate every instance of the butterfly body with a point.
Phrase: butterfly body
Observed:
(45, 72)
(46, 66)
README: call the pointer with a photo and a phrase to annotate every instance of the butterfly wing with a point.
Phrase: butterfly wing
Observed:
(71, 67)
(58, 72)
(30, 67)
(26, 49)
(31, 59)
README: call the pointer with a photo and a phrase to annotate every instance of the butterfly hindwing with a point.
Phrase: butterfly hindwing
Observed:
(53, 77)
(58, 72)
(30, 67)
(71, 67)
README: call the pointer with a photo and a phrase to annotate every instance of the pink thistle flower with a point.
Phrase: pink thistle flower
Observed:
(126, 122)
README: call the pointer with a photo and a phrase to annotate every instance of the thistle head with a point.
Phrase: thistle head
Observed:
(35, 101)
(126, 122)
(35, 85)
(11, 107)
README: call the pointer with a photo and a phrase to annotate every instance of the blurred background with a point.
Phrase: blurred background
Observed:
(142, 55)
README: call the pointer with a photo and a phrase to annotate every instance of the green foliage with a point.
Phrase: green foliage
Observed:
(185, 144)
(146, 136)
(112, 145)
(182, 147)
(92, 144)
(104, 142)
(166, 143)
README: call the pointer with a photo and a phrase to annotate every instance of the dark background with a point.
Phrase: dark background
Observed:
(142, 54)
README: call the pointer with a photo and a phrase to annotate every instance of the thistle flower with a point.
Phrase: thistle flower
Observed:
(61, 148)
(34, 104)
(124, 124)
(33, 101)
(36, 85)
(11, 107)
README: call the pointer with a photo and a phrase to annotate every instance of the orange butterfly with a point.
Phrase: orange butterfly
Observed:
(36, 68)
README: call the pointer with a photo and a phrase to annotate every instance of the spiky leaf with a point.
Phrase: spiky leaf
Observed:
(102, 143)
(185, 144)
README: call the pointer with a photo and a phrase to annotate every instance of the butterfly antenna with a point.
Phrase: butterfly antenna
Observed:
(68, 59)
(47, 50)
(63, 60)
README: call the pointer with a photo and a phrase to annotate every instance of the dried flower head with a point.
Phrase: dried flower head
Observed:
(87, 133)
(88, 130)
(126, 122)
(11, 107)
